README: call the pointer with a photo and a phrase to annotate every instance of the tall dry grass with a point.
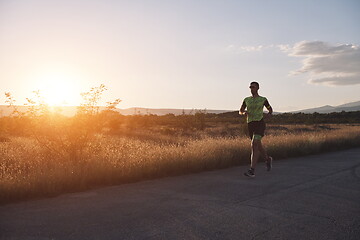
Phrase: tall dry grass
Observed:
(29, 170)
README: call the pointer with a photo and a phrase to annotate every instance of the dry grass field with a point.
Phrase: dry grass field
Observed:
(47, 165)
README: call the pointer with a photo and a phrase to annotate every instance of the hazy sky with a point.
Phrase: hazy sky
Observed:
(182, 54)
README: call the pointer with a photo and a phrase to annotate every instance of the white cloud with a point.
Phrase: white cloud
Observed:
(257, 48)
(327, 64)
(284, 47)
(241, 49)
(337, 80)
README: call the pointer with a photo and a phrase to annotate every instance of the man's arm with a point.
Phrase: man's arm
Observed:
(268, 107)
(242, 109)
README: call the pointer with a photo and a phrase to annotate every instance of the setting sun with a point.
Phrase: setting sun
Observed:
(59, 90)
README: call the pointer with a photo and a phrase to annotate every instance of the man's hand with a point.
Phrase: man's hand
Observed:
(245, 113)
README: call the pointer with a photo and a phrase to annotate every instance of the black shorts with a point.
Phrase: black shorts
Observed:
(256, 127)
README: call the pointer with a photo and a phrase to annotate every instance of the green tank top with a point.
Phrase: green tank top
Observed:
(255, 108)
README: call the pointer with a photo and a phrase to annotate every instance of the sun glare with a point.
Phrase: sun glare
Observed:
(57, 90)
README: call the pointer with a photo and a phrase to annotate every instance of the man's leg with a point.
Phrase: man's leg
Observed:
(268, 159)
(255, 152)
(263, 150)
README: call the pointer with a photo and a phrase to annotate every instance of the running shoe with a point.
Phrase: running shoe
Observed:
(249, 173)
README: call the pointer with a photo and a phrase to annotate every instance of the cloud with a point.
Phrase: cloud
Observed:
(327, 64)
(256, 48)
(284, 47)
(337, 80)
(241, 49)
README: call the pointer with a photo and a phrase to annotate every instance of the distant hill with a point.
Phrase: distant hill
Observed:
(348, 107)
(71, 110)
(67, 111)
(164, 111)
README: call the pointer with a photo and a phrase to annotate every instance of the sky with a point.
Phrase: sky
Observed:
(189, 54)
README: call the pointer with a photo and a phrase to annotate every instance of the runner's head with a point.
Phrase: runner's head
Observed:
(254, 87)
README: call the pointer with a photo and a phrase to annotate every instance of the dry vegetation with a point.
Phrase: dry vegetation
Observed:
(47, 154)
(29, 169)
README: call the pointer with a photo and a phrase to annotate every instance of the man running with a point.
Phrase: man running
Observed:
(256, 125)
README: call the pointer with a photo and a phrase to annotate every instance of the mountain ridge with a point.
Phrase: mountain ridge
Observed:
(347, 107)
(71, 110)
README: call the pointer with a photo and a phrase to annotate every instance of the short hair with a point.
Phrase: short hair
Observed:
(256, 83)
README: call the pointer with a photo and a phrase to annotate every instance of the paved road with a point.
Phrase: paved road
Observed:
(316, 197)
